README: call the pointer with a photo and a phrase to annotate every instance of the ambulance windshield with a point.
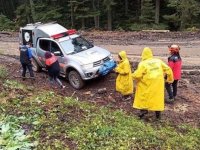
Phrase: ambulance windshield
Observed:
(75, 45)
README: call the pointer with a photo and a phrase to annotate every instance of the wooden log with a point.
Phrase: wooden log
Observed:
(161, 31)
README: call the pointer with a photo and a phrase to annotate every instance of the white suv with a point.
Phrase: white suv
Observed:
(79, 59)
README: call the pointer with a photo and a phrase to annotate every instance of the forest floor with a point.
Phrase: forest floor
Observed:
(187, 104)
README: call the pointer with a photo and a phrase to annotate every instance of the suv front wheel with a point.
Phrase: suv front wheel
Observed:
(35, 66)
(75, 79)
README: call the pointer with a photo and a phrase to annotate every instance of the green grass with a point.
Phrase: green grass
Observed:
(3, 72)
(12, 135)
(11, 84)
(54, 122)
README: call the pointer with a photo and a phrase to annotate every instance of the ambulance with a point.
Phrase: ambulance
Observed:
(79, 59)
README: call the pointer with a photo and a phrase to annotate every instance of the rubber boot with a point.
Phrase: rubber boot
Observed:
(158, 115)
(142, 113)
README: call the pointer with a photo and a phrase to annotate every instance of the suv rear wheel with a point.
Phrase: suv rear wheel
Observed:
(75, 79)
(35, 65)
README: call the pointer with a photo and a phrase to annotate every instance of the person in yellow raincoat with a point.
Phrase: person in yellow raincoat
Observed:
(149, 77)
(124, 82)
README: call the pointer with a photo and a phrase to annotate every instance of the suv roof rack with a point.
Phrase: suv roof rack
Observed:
(39, 24)
(30, 24)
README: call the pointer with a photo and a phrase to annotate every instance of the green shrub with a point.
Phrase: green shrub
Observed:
(5, 23)
(13, 85)
(139, 27)
(3, 72)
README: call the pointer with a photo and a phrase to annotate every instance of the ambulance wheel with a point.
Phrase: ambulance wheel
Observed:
(75, 80)
(35, 66)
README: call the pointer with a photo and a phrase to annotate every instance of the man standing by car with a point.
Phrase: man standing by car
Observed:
(25, 59)
(149, 76)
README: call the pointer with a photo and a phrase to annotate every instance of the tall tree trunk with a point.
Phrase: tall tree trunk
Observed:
(6, 7)
(27, 11)
(97, 24)
(83, 23)
(72, 14)
(28, 19)
(32, 10)
(11, 9)
(157, 12)
(96, 18)
(138, 9)
(141, 8)
(3, 7)
(126, 7)
(109, 19)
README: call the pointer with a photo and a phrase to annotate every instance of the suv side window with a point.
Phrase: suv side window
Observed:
(44, 45)
(55, 47)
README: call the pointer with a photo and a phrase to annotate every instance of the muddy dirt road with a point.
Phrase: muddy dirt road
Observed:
(132, 42)
(187, 105)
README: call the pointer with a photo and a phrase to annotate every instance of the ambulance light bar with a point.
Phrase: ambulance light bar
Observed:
(60, 35)
(72, 31)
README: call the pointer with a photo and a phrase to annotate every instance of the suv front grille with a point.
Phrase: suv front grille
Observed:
(106, 59)
(98, 63)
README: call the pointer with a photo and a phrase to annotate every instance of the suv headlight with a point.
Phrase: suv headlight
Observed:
(87, 66)
(110, 56)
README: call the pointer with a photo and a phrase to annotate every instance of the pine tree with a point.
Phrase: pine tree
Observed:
(5, 23)
(95, 5)
(32, 10)
(184, 13)
(81, 11)
(23, 14)
(108, 4)
(157, 12)
(147, 11)
(46, 13)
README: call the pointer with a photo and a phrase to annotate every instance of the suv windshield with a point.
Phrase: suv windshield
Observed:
(75, 45)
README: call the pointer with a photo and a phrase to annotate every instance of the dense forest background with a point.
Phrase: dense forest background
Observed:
(125, 15)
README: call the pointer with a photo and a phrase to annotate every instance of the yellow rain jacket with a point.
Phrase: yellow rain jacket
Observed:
(124, 82)
(149, 77)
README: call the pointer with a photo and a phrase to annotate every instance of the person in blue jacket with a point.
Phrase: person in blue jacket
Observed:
(25, 59)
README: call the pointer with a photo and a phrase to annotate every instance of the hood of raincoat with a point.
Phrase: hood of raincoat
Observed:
(123, 56)
(147, 53)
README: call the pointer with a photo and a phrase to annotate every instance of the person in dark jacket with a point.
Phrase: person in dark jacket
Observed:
(175, 63)
(53, 68)
(25, 59)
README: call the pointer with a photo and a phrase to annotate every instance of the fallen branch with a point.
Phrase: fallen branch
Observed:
(73, 94)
